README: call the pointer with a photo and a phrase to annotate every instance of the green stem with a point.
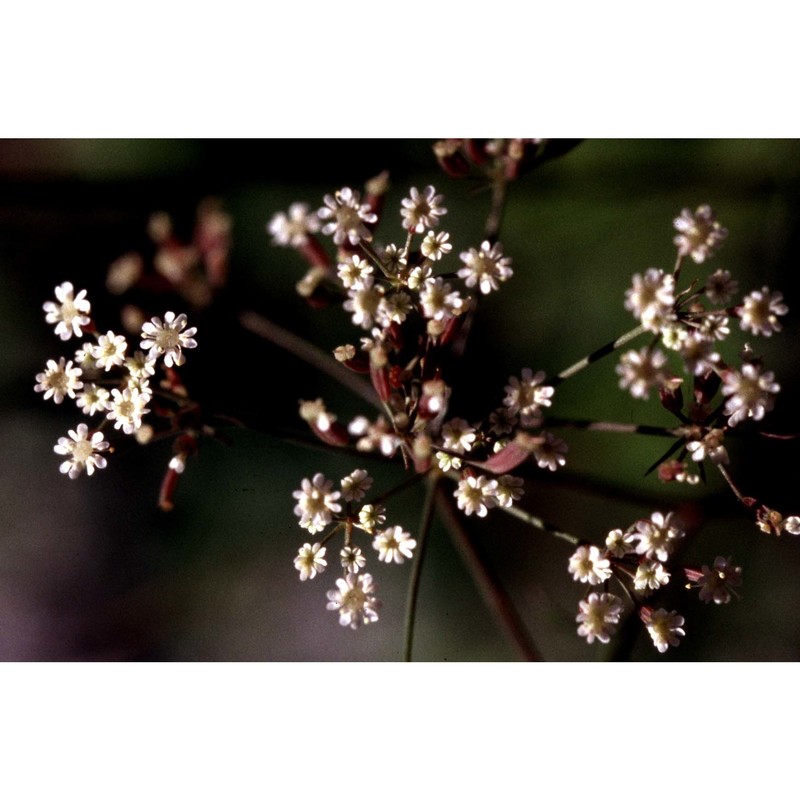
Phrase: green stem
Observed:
(416, 568)
(540, 524)
(597, 355)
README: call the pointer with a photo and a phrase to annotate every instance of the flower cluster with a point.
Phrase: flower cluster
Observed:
(106, 377)
(319, 506)
(637, 557)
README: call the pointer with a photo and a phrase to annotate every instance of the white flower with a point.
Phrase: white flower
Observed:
(664, 628)
(356, 485)
(316, 415)
(393, 258)
(458, 435)
(699, 234)
(421, 211)
(710, 446)
(476, 495)
(292, 230)
(93, 398)
(310, 561)
(651, 298)
(587, 565)
(698, 354)
(316, 503)
(715, 327)
(352, 559)
(485, 267)
(792, 525)
(435, 245)
(439, 301)
(599, 616)
(59, 380)
(353, 271)
(657, 536)
(70, 313)
(447, 461)
(353, 599)
(370, 516)
(749, 392)
(344, 217)
(84, 356)
(720, 287)
(549, 452)
(363, 300)
(508, 491)
(110, 351)
(502, 421)
(619, 543)
(394, 544)
(716, 582)
(83, 451)
(394, 308)
(418, 277)
(641, 371)
(650, 575)
(139, 366)
(527, 397)
(126, 408)
(760, 312)
(167, 338)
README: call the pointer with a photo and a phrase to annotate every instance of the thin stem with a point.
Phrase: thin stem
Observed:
(416, 568)
(399, 488)
(309, 353)
(612, 427)
(490, 589)
(745, 501)
(540, 524)
(597, 355)
(493, 221)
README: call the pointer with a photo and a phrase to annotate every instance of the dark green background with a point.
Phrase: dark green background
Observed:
(91, 569)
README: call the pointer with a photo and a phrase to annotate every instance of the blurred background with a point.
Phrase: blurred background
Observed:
(92, 570)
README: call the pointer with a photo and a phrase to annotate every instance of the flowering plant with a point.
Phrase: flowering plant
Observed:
(413, 300)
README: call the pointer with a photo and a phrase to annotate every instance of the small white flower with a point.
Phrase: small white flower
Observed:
(699, 234)
(760, 312)
(749, 392)
(716, 582)
(664, 628)
(421, 210)
(356, 485)
(435, 245)
(363, 300)
(83, 451)
(698, 354)
(508, 491)
(139, 366)
(110, 351)
(485, 268)
(619, 543)
(70, 314)
(715, 327)
(84, 356)
(650, 575)
(587, 565)
(370, 516)
(476, 495)
(394, 307)
(447, 461)
(126, 408)
(352, 559)
(394, 544)
(59, 380)
(792, 525)
(549, 452)
(353, 599)
(292, 230)
(345, 218)
(458, 435)
(316, 503)
(353, 271)
(167, 338)
(642, 371)
(651, 298)
(527, 397)
(316, 415)
(721, 288)
(502, 421)
(393, 258)
(310, 561)
(439, 301)
(657, 536)
(599, 616)
(93, 398)
(710, 446)
(418, 277)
